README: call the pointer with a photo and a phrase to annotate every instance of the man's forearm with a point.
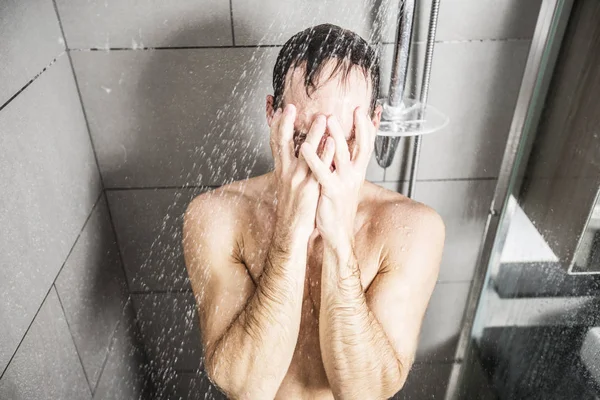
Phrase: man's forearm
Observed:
(253, 355)
(359, 359)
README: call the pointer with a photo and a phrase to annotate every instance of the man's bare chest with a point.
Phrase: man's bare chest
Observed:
(257, 242)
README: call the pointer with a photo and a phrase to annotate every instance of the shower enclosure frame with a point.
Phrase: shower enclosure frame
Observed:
(547, 38)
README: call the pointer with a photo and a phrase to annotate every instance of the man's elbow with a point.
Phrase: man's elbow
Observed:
(220, 380)
(236, 384)
(394, 380)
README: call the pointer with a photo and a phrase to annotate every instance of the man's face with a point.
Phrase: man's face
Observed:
(337, 96)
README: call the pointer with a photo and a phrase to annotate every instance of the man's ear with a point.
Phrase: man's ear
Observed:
(270, 110)
(376, 117)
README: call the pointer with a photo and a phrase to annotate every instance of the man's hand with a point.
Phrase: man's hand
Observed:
(297, 188)
(340, 189)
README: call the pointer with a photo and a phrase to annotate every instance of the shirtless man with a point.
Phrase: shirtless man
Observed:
(311, 282)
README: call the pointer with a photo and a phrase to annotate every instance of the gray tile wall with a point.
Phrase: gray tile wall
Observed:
(63, 292)
(176, 98)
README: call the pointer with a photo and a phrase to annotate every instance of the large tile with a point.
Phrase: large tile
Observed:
(46, 365)
(476, 85)
(149, 225)
(186, 386)
(426, 381)
(461, 20)
(124, 375)
(146, 23)
(464, 206)
(31, 39)
(277, 20)
(176, 117)
(48, 184)
(169, 326)
(93, 290)
(442, 322)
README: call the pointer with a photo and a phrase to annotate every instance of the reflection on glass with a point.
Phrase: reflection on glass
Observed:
(587, 254)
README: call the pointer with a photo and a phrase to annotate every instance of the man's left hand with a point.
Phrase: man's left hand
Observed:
(340, 189)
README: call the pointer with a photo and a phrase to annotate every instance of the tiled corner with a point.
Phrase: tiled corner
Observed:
(123, 376)
(169, 326)
(426, 381)
(49, 183)
(92, 289)
(476, 85)
(46, 365)
(149, 223)
(177, 117)
(31, 39)
(464, 206)
(136, 24)
(442, 322)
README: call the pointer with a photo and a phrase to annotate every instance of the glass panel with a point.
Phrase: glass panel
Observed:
(537, 330)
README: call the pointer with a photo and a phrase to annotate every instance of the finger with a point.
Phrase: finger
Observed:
(328, 152)
(286, 133)
(342, 154)
(363, 130)
(317, 130)
(320, 170)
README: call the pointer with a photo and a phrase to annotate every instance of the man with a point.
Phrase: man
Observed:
(310, 281)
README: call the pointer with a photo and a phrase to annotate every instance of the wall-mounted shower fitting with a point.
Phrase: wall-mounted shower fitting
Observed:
(394, 107)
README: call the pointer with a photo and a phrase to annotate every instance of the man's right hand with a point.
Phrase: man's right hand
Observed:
(297, 192)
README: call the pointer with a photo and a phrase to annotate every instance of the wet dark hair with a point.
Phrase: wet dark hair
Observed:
(313, 47)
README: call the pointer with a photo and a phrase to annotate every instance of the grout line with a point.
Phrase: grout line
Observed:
(166, 291)
(106, 50)
(434, 362)
(62, 31)
(448, 281)
(258, 46)
(48, 292)
(111, 344)
(163, 187)
(114, 231)
(232, 28)
(488, 178)
(188, 371)
(422, 42)
(62, 307)
(85, 117)
(31, 81)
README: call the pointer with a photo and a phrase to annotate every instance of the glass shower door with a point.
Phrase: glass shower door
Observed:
(536, 331)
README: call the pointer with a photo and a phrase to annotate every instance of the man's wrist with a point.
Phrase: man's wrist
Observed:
(340, 256)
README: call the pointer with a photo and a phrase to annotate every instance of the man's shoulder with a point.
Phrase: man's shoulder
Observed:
(395, 212)
(228, 203)
(216, 204)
